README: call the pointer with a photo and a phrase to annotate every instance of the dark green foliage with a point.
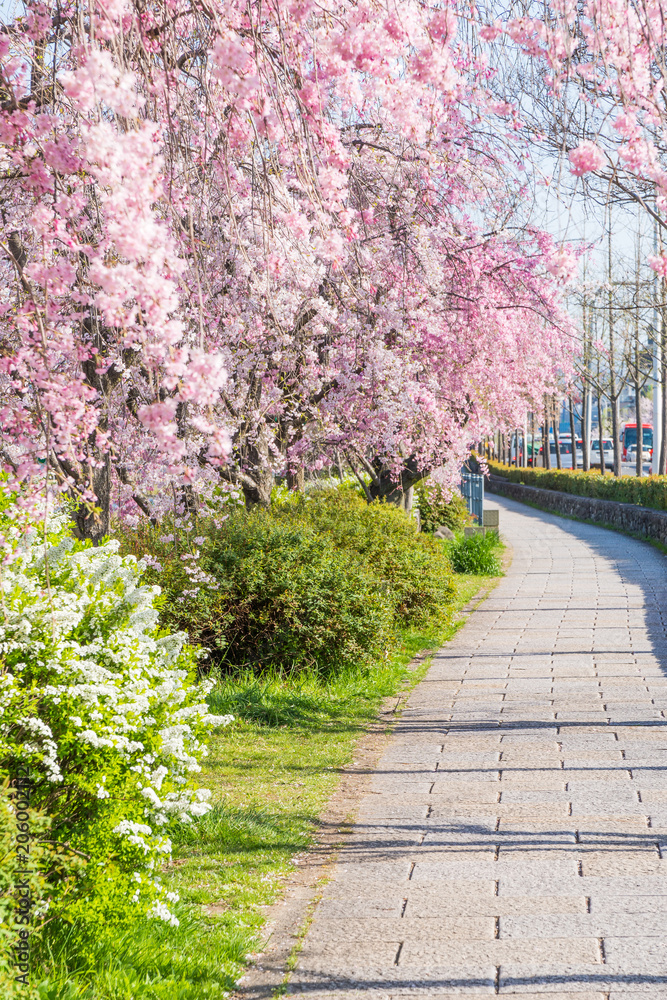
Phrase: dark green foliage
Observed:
(410, 567)
(437, 506)
(286, 595)
(478, 554)
(320, 582)
(649, 491)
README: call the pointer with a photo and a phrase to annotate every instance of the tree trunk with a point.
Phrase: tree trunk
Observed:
(601, 436)
(616, 435)
(586, 402)
(573, 433)
(296, 479)
(639, 455)
(662, 468)
(546, 445)
(95, 471)
(259, 494)
(384, 485)
(555, 420)
(95, 524)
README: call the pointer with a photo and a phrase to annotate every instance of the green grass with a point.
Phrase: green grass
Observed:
(271, 773)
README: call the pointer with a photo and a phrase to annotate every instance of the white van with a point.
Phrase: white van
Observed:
(608, 446)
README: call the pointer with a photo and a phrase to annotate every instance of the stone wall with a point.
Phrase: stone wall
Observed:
(642, 520)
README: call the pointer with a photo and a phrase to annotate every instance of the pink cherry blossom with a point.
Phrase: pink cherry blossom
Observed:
(587, 157)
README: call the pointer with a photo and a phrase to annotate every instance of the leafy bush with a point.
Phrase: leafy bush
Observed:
(100, 706)
(410, 566)
(438, 505)
(477, 554)
(649, 491)
(320, 582)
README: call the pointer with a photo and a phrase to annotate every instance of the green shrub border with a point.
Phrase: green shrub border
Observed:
(649, 491)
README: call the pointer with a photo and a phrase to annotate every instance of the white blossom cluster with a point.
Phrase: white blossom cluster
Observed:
(97, 700)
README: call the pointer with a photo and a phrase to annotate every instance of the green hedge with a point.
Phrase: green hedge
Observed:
(649, 491)
(322, 581)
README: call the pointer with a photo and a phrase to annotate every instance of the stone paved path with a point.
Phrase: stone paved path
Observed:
(514, 840)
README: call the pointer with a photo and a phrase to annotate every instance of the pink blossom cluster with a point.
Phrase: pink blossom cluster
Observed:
(586, 158)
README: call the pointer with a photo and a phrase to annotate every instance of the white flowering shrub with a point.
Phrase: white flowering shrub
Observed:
(105, 710)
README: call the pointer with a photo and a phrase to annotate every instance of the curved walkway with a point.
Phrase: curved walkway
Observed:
(514, 840)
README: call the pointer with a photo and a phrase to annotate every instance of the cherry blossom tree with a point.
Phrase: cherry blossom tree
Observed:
(241, 237)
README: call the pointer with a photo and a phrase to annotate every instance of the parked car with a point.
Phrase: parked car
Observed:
(608, 446)
(568, 461)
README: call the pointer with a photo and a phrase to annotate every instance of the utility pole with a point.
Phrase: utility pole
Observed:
(613, 391)
(662, 468)
(657, 403)
(657, 370)
(586, 408)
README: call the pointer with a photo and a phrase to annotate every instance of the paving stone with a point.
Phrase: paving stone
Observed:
(583, 806)
(386, 784)
(439, 928)
(505, 846)
(591, 779)
(529, 951)
(521, 796)
(348, 908)
(466, 791)
(625, 885)
(523, 884)
(600, 924)
(547, 780)
(431, 904)
(561, 995)
(609, 903)
(463, 774)
(391, 980)
(635, 861)
(554, 981)
(644, 955)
